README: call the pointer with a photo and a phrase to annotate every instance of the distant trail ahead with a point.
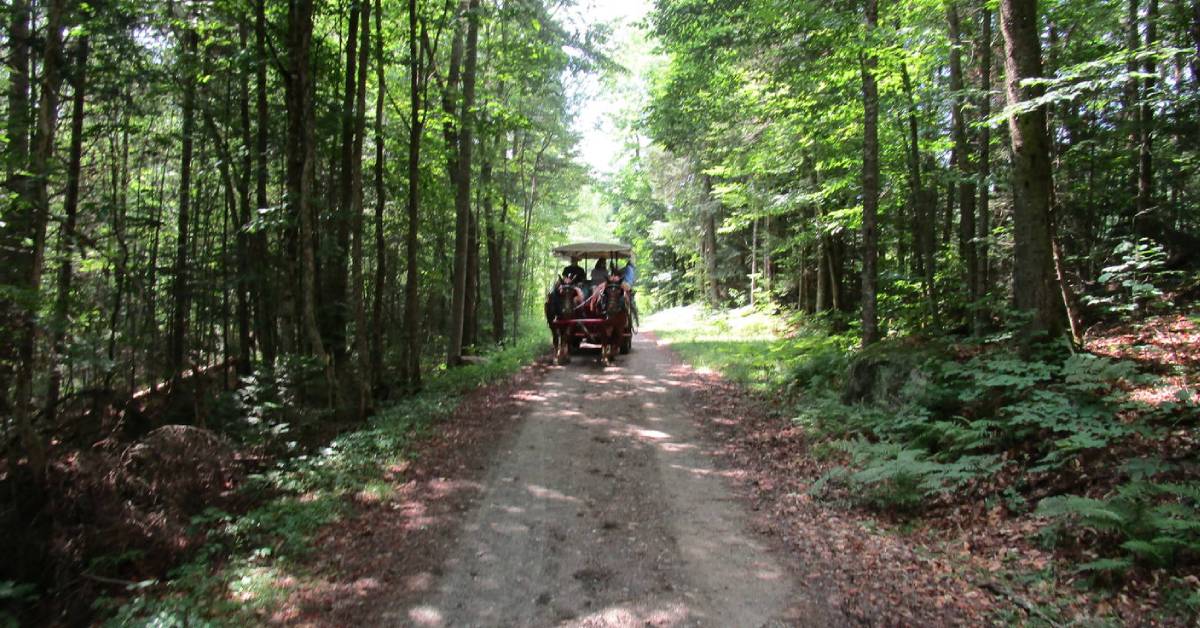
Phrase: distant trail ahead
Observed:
(606, 510)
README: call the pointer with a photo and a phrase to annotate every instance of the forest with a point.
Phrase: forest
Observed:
(253, 252)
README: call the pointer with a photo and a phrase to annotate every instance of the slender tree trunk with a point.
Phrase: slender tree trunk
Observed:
(966, 181)
(180, 291)
(494, 251)
(121, 181)
(923, 203)
(301, 164)
(523, 250)
(1145, 186)
(38, 213)
(17, 216)
(264, 296)
(1033, 271)
(768, 272)
(67, 244)
(708, 244)
(471, 297)
(1130, 109)
(361, 346)
(245, 284)
(334, 314)
(753, 259)
(983, 225)
(462, 196)
(381, 253)
(412, 305)
(870, 180)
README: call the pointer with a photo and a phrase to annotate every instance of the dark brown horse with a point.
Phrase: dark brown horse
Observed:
(560, 305)
(614, 307)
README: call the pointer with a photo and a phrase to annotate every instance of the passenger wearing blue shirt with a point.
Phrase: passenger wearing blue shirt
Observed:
(629, 273)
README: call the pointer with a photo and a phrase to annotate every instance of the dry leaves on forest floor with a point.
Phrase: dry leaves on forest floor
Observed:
(390, 550)
(961, 563)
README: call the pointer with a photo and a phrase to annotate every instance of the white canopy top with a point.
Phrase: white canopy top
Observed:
(594, 250)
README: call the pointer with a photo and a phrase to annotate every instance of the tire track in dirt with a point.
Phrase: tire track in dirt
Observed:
(606, 510)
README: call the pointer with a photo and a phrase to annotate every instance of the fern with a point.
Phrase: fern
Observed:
(1155, 523)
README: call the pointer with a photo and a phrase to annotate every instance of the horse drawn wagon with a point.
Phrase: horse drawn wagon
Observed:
(595, 308)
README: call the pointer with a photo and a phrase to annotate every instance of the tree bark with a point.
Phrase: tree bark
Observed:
(334, 314)
(301, 158)
(1145, 187)
(244, 283)
(870, 180)
(494, 251)
(264, 301)
(966, 180)
(983, 226)
(1033, 270)
(462, 195)
(358, 304)
(1130, 110)
(181, 294)
(381, 252)
(412, 305)
(923, 202)
(17, 217)
(67, 243)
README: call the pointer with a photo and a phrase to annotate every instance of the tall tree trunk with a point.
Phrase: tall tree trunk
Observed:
(983, 225)
(966, 180)
(870, 180)
(412, 305)
(494, 250)
(180, 290)
(35, 216)
(121, 182)
(1033, 270)
(381, 253)
(923, 202)
(708, 244)
(264, 301)
(361, 346)
(301, 164)
(1145, 187)
(753, 259)
(334, 288)
(531, 198)
(471, 300)
(1130, 109)
(17, 216)
(244, 283)
(462, 195)
(62, 302)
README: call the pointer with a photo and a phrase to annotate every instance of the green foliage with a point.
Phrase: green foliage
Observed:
(296, 498)
(894, 476)
(14, 593)
(1139, 270)
(1155, 523)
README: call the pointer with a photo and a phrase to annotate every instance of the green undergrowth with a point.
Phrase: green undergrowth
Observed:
(759, 351)
(235, 576)
(913, 425)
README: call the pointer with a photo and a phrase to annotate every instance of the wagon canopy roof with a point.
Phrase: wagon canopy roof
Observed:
(593, 250)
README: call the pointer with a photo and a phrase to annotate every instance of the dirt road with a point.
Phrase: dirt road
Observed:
(605, 510)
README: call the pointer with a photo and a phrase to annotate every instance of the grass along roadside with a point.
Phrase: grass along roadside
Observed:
(1074, 499)
(236, 575)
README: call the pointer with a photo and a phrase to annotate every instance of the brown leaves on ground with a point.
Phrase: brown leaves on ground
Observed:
(947, 567)
(1167, 346)
(390, 551)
